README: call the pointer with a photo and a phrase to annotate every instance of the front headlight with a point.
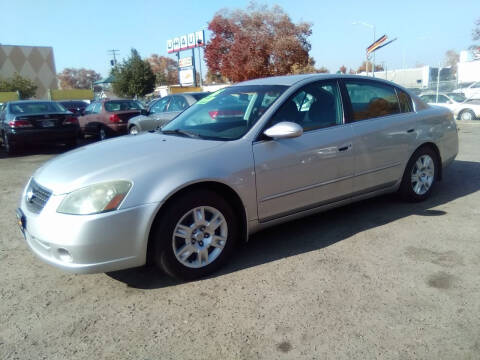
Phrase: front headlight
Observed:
(95, 199)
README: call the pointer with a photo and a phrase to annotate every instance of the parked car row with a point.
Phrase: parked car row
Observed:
(31, 121)
(462, 108)
(26, 122)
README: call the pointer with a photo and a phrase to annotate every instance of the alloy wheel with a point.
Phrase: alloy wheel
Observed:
(423, 174)
(199, 237)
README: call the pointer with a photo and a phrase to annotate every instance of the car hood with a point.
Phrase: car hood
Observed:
(126, 157)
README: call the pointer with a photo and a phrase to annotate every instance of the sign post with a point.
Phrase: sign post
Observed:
(185, 42)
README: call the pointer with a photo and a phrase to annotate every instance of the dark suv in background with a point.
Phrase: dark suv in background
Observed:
(32, 121)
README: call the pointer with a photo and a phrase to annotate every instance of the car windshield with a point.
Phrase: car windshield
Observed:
(227, 114)
(120, 105)
(36, 107)
(457, 97)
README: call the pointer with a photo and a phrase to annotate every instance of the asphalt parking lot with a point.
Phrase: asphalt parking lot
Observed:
(376, 279)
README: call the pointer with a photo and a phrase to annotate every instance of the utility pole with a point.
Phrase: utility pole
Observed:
(373, 28)
(200, 65)
(113, 52)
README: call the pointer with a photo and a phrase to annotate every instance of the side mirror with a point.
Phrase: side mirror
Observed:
(144, 112)
(284, 130)
(81, 112)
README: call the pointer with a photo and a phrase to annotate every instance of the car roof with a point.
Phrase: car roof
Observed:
(28, 101)
(289, 80)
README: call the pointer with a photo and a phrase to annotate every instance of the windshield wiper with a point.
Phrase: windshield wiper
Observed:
(182, 132)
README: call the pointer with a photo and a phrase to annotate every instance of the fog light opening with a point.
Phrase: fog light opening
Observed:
(64, 255)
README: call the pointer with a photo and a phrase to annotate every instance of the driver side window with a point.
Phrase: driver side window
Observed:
(314, 106)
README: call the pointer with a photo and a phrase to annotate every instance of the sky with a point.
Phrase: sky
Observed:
(82, 32)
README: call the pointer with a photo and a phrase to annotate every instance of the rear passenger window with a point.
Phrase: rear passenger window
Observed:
(371, 100)
(405, 101)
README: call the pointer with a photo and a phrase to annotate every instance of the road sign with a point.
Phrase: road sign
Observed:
(185, 62)
(186, 77)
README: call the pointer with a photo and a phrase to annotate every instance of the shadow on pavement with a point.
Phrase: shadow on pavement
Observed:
(44, 149)
(324, 229)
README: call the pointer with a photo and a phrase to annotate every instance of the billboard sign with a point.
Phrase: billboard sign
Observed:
(185, 62)
(186, 77)
(183, 42)
(170, 46)
(189, 41)
(176, 44)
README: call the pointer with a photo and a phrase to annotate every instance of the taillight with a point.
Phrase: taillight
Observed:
(70, 121)
(16, 124)
(213, 114)
(115, 119)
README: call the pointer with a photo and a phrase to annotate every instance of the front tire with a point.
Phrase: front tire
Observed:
(420, 175)
(467, 115)
(133, 130)
(195, 236)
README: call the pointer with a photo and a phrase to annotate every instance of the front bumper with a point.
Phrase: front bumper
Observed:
(88, 243)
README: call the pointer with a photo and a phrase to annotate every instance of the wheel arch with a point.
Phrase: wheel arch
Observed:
(434, 147)
(226, 191)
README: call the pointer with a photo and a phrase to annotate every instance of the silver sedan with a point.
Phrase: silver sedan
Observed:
(239, 160)
(162, 110)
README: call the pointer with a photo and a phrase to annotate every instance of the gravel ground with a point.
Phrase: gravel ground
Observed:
(376, 279)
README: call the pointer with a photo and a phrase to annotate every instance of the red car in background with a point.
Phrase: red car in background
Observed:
(107, 118)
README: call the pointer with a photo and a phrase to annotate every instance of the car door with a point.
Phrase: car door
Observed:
(156, 114)
(311, 170)
(86, 118)
(383, 124)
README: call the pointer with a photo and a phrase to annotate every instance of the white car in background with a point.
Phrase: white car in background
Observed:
(471, 91)
(462, 108)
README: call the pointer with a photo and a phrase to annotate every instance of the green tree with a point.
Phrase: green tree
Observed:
(133, 77)
(24, 86)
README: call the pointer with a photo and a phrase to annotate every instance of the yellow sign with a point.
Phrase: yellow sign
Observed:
(8, 96)
(71, 94)
(177, 90)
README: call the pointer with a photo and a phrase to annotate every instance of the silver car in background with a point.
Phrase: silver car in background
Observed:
(161, 111)
(239, 160)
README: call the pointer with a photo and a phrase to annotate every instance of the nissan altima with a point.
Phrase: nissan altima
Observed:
(241, 159)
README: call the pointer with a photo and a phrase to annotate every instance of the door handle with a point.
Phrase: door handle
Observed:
(410, 130)
(345, 147)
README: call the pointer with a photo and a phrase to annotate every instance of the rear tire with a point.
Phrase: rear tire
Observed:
(10, 148)
(420, 175)
(203, 240)
(102, 133)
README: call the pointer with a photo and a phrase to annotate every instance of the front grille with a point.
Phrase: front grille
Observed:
(36, 197)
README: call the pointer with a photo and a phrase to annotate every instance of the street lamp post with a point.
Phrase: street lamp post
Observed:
(373, 28)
